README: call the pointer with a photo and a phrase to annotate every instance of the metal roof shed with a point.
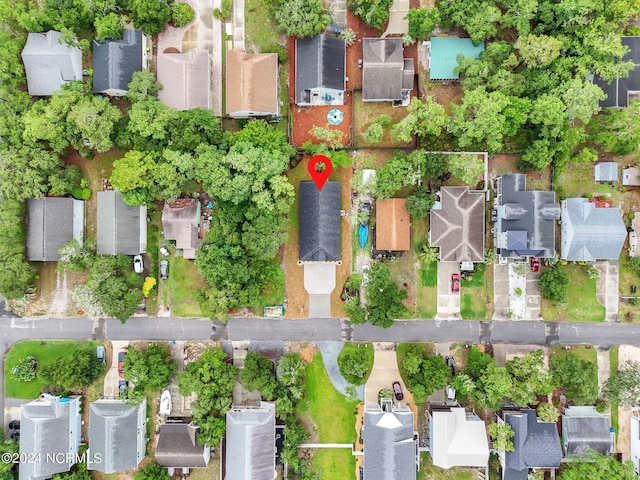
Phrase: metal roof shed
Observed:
(444, 51)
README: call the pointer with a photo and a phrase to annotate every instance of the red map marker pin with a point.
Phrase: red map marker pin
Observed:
(319, 177)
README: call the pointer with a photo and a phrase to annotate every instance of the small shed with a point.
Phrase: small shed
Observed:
(393, 225)
(606, 172)
(631, 176)
(444, 53)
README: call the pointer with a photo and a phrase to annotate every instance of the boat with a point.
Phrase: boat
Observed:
(165, 403)
(363, 233)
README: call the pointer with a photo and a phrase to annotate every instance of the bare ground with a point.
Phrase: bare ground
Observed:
(625, 353)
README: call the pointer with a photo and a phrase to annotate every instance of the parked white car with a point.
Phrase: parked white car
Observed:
(138, 266)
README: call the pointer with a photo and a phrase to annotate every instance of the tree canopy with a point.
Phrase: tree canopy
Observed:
(150, 369)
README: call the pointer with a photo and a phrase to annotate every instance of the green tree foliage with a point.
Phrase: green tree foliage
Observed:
(150, 121)
(375, 13)
(151, 471)
(115, 286)
(617, 130)
(478, 17)
(538, 51)
(384, 297)
(419, 203)
(424, 119)
(181, 14)
(295, 434)
(257, 374)
(424, 373)
(355, 311)
(598, 467)
(11, 447)
(373, 133)
(16, 274)
(466, 167)
(422, 21)
(578, 377)
(211, 377)
(502, 435)
(547, 412)
(401, 171)
(301, 18)
(109, 26)
(493, 387)
(554, 283)
(149, 370)
(478, 362)
(73, 16)
(143, 84)
(74, 371)
(530, 377)
(150, 16)
(624, 387)
(355, 362)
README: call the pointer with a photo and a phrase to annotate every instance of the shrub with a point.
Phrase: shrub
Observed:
(349, 36)
(181, 14)
(80, 193)
(148, 285)
(547, 412)
(25, 369)
(373, 133)
(224, 11)
(355, 362)
(283, 56)
(419, 203)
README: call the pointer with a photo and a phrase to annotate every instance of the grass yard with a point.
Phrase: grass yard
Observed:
(427, 286)
(46, 353)
(335, 421)
(475, 295)
(627, 311)
(178, 291)
(582, 305)
(366, 350)
(364, 113)
(334, 463)
(578, 180)
(259, 27)
(613, 370)
(583, 352)
(430, 472)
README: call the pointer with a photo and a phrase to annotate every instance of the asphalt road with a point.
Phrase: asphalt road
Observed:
(14, 329)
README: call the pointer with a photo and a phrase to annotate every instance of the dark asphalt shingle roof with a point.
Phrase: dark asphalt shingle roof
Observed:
(618, 90)
(177, 447)
(50, 224)
(382, 69)
(526, 219)
(121, 227)
(537, 444)
(251, 444)
(584, 429)
(115, 61)
(590, 233)
(320, 63)
(389, 447)
(319, 222)
(117, 432)
(458, 227)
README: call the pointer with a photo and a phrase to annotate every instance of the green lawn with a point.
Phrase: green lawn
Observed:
(584, 353)
(364, 113)
(430, 472)
(46, 353)
(427, 286)
(577, 180)
(334, 463)
(366, 349)
(582, 305)
(475, 295)
(613, 370)
(260, 28)
(333, 415)
(178, 291)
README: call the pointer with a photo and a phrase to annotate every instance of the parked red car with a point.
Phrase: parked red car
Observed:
(455, 283)
(535, 264)
(397, 391)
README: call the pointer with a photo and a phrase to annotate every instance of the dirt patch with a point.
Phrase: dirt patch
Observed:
(625, 353)
(308, 352)
(312, 429)
(343, 271)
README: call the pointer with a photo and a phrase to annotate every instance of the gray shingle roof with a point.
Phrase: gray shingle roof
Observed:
(250, 443)
(584, 429)
(48, 425)
(178, 448)
(458, 227)
(383, 69)
(526, 219)
(320, 63)
(185, 79)
(606, 172)
(122, 229)
(389, 447)
(117, 432)
(618, 90)
(590, 233)
(179, 223)
(49, 64)
(319, 222)
(537, 445)
(52, 222)
(115, 61)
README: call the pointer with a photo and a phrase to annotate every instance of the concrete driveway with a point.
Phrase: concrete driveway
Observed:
(533, 296)
(448, 302)
(384, 372)
(111, 378)
(397, 25)
(319, 282)
(607, 287)
(501, 292)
